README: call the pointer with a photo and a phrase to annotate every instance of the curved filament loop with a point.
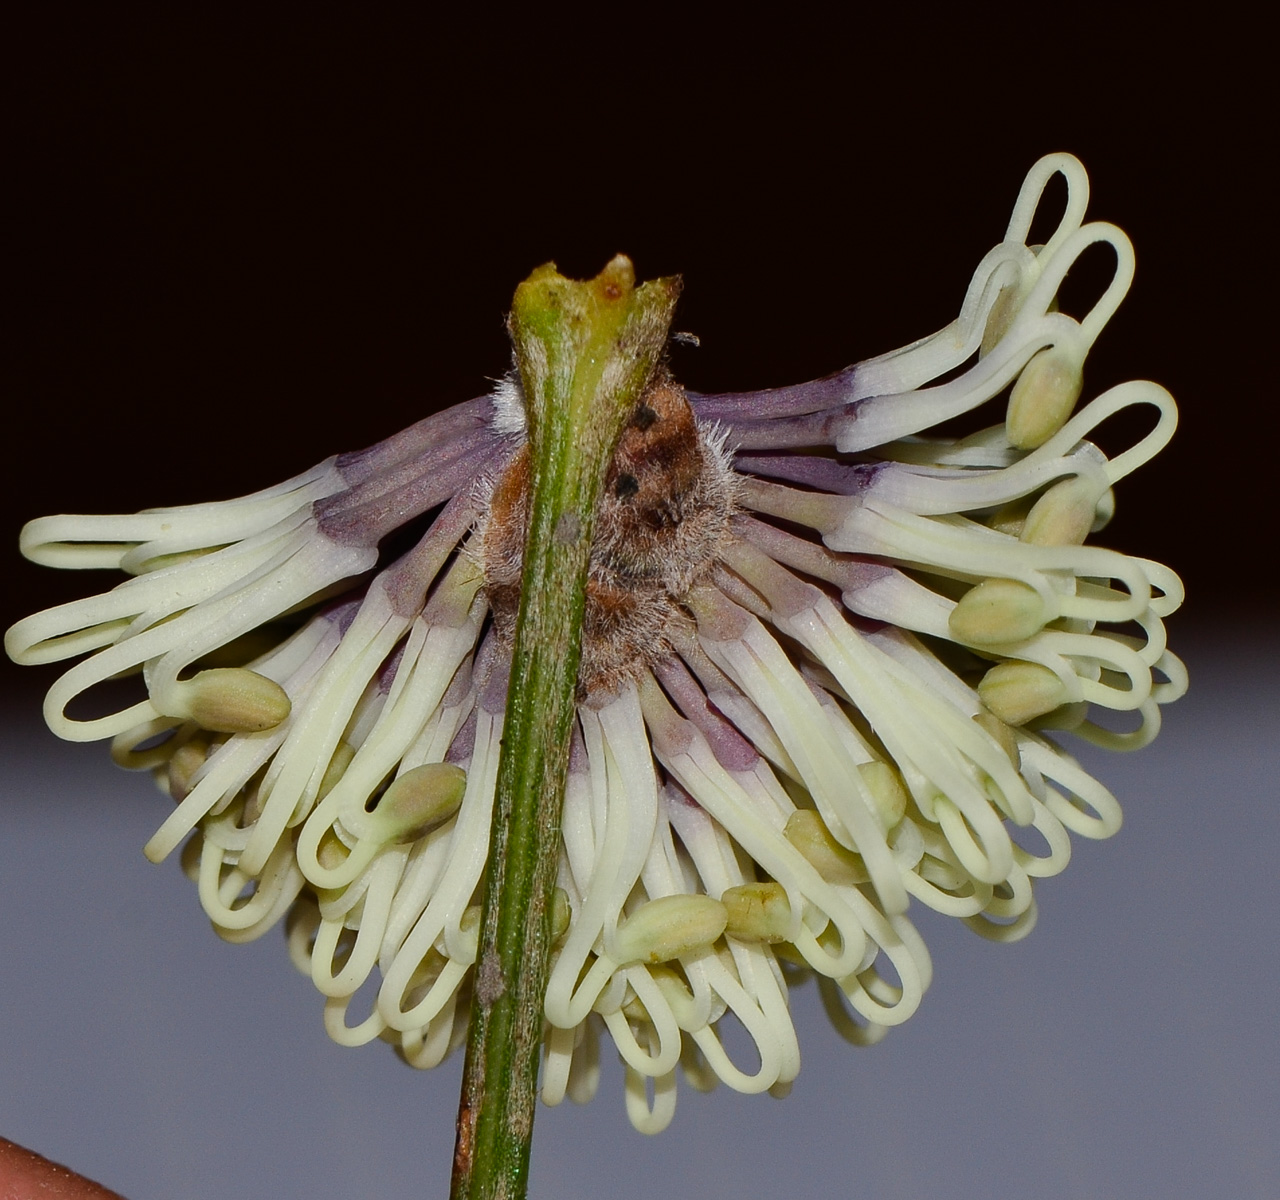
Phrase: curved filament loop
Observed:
(1032, 190)
(444, 912)
(96, 542)
(621, 775)
(747, 980)
(723, 798)
(904, 370)
(757, 664)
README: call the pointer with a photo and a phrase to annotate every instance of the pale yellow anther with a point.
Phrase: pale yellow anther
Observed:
(1012, 518)
(1065, 717)
(331, 853)
(190, 857)
(808, 833)
(424, 975)
(697, 1072)
(1000, 318)
(676, 993)
(185, 761)
(668, 927)
(633, 1007)
(343, 753)
(561, 914)
(887, 790)
(829, 939)
(419, 800)
(230, 700)
(758, 912)
(254, 801)
(469, 927)
(1063, 516)
(788, 953)
(1043, 396)
(1002, 734)
(1018, 692)
(996, 612)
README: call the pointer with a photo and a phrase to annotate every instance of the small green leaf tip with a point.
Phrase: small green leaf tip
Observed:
(602, 337)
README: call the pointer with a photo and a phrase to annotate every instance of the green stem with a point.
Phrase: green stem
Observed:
(585, 353)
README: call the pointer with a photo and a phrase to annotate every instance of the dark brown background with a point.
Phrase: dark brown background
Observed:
(236, 248)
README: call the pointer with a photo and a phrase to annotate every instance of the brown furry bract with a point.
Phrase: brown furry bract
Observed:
(662, 517)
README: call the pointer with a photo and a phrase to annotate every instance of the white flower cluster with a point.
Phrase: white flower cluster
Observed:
(850, 712)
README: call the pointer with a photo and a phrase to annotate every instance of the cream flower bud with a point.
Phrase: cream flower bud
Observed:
(1043, 396)
(419, 799)
(561, 914)
(886, 790)
(808, 833)
(186, 760)
(1063, 516)
(229, 700)
(1003, 735)
(997, 611)
(1018, 692)
(758, 912)
(668, 927)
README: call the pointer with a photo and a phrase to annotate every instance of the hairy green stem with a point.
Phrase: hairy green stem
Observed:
(585, 352)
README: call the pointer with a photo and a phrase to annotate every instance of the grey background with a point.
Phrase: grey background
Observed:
(1126, 1048)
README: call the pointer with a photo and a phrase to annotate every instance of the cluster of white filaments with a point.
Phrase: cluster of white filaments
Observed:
(847, 709)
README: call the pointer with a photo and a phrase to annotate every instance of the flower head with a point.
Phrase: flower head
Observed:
(823, 655)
